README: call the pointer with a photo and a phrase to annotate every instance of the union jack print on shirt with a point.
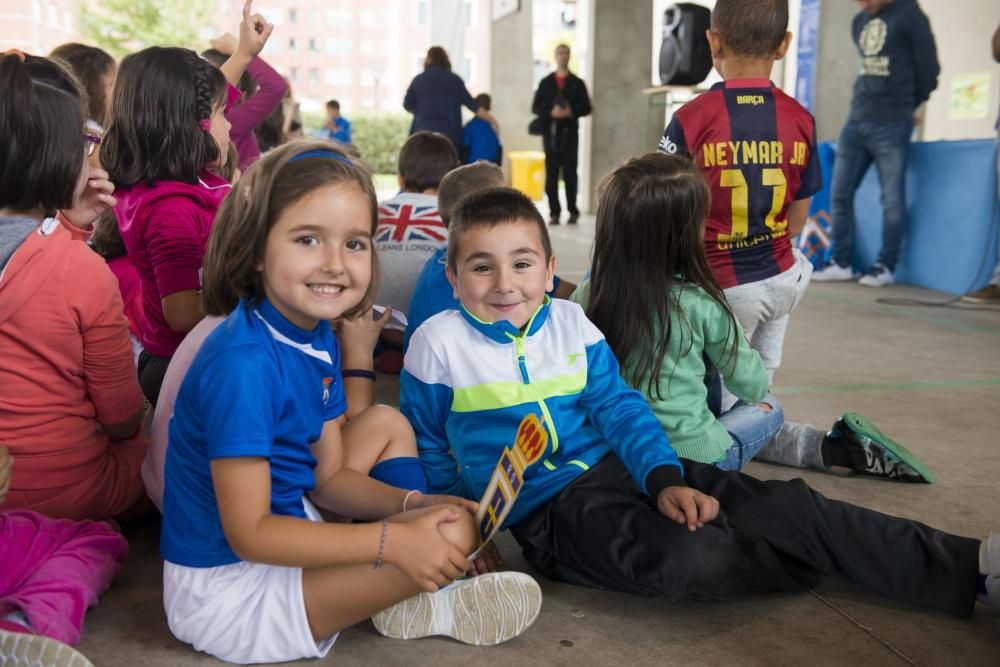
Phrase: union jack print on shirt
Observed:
(407, 222)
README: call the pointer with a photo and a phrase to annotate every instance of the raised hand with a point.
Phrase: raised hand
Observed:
(254, 32)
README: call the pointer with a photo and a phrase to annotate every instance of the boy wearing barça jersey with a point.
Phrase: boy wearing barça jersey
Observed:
(757, 148)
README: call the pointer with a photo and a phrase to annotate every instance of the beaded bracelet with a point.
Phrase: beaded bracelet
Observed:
(380, 559)
(358, 373)
(406, 498)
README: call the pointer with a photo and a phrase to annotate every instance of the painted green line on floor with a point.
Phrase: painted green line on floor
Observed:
(902, 313)
(888, 386)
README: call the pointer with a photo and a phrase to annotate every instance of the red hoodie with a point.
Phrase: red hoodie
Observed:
(165, 228)
(67, 360)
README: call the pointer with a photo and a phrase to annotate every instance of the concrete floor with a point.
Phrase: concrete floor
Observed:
(930, 377)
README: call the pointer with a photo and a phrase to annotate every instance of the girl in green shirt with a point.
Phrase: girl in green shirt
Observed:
(665, 317)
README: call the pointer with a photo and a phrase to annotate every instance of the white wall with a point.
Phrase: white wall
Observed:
(963, 30)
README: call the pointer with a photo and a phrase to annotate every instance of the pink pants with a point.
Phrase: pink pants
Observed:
(52, 570)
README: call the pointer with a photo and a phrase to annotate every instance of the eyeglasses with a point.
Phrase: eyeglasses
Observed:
(93, 141)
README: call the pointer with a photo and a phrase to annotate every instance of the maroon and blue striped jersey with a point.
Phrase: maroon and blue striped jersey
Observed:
(757, 148)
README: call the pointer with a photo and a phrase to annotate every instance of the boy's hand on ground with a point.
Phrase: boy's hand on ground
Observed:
(420, 550)
(685, 505)
(6, 468)
(488, 560)
(420, 500)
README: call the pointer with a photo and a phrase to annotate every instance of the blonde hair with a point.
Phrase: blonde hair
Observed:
(275, 182)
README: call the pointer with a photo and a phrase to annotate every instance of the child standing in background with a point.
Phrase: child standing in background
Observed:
(166, 136)
(757, 149)
(479, 138)
(252, 574)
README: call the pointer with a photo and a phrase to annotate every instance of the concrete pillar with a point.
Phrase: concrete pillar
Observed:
(620, 67)
(837, 66)
(511, 81)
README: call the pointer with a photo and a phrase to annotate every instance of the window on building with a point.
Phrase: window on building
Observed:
(368, 19)
(339, 76)
(293, 74)
(423, 12)
(293, 15)
(466, 72)
(313, 76)
(293, 44)
(467, 13)
(314, 45)
(313, 16)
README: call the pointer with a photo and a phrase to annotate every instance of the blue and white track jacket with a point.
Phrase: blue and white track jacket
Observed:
(467, 384)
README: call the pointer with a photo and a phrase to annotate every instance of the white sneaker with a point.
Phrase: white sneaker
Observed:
(879, 276)
(833, 272)
(482, 611)
(18, 649)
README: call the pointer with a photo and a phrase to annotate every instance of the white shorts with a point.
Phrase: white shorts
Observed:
(242, 612)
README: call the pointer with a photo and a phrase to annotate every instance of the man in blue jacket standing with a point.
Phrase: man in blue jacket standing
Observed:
(899, 69)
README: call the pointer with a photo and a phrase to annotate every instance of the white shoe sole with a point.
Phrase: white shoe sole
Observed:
(23, 650)
(483, 611)
(874, 282)
(819, 277)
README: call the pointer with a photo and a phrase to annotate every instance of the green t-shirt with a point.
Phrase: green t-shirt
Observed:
(704, 330)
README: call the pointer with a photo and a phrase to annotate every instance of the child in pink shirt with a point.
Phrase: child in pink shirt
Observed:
(167, 134)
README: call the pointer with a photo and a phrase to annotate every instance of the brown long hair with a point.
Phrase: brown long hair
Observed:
(253, 206)
(650, 238)
(436, 55)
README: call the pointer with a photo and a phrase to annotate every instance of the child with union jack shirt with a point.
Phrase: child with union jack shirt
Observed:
(757, 148)
(410, 231)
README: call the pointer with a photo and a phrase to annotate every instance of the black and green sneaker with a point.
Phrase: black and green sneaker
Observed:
(873, 453)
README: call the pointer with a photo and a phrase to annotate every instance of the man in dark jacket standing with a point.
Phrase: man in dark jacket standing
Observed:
(560, 101)
(899, 69)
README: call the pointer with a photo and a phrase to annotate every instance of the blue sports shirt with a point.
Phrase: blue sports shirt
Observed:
(260, 387)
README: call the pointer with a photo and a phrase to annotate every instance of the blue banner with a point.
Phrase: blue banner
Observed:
(805, 78)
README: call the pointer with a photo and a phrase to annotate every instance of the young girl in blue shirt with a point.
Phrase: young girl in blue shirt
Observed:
(252, 573)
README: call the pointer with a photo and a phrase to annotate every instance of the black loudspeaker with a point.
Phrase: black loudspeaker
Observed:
(685, 57)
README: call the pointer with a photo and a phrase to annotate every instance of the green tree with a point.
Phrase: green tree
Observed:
(123, 26)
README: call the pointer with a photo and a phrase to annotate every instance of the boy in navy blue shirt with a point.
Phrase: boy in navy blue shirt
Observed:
(479, 139)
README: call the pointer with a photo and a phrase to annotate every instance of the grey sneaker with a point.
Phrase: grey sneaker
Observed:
(873, 453)
(18, 649)
(833, 272)
(879, 276)
(482, 611)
